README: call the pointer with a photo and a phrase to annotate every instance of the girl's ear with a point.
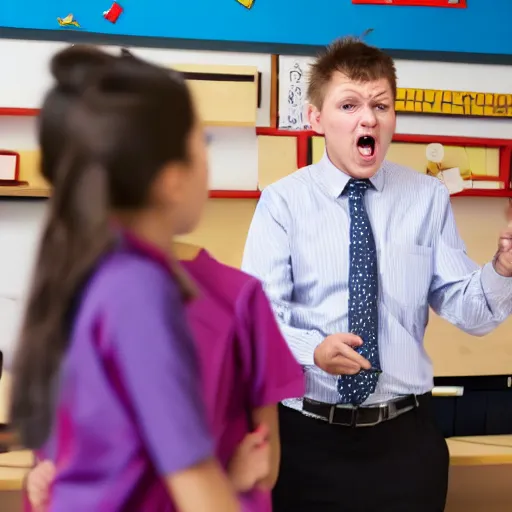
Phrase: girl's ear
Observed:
(167, 187)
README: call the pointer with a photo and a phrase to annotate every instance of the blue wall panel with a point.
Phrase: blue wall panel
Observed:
(484, 27)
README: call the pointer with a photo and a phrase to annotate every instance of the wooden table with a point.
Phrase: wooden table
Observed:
(13, 468)
(480, 450)
(464, 451)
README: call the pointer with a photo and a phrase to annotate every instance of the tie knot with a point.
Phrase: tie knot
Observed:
(357, 188)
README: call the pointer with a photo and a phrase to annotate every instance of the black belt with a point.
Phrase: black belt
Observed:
(363, 416)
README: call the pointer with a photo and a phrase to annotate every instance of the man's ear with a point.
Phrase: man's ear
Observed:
(314, 117)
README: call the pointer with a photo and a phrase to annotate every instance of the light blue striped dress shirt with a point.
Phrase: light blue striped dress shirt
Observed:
(298, 245)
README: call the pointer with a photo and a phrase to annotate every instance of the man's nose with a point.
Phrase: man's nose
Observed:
(368, 118)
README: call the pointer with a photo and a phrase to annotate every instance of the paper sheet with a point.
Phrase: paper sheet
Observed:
(7, 167)
(452, 179)
(293, 92)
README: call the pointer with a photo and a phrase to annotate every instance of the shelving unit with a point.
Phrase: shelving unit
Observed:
(243, 84)
(227, 96)
(304, 138)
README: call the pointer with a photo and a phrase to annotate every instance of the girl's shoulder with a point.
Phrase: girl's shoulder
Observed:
(125, 280)
(227, 283)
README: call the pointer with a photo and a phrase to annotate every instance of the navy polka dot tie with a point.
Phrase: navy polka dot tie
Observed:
(363, 293)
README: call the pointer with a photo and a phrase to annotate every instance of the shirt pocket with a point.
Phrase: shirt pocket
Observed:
(406, 274)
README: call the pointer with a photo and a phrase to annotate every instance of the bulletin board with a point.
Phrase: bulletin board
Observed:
(262, 23)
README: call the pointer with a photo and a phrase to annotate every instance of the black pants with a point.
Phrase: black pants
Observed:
(400, 465)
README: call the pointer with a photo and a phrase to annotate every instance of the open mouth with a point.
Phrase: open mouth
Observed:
(366, 146)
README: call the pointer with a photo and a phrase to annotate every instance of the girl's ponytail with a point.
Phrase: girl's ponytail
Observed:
(75, 237)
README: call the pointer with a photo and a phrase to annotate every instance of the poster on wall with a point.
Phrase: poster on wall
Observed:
(453, 103)
(293, 75)
(423, 3)
(292, 99)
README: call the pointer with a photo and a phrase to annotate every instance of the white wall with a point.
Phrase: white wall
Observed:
(25, 77)
(438, 75)
(24, 80)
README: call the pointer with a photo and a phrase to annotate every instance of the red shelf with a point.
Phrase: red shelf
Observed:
(213, 194)
(14, 111)
(302, 151)
(234, 194)
(277, 132)
(504, 145)
(484, 193)
(398, 137)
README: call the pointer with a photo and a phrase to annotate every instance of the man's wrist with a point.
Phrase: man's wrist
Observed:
(499, 268)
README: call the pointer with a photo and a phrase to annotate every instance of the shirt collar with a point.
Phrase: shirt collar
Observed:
(335, 180)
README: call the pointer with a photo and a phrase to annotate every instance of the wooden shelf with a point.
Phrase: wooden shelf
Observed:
(35, 186)
(24, 191)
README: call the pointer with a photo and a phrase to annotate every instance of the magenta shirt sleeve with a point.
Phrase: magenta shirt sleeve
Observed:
(154, 354)
(272, 372)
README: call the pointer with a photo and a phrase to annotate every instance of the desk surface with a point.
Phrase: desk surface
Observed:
(13, 468)
(464, 451)
(480, 450)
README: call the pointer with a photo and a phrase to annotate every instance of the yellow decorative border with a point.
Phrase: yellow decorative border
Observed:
(455, 103)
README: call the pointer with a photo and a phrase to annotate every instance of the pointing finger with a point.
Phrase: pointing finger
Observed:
(356, 358)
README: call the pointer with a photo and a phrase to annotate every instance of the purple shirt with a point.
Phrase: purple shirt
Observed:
(130, 409)
(245, 362)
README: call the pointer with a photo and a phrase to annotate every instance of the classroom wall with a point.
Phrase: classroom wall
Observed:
(234, 165)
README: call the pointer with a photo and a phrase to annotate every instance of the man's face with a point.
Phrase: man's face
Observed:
(358, 121)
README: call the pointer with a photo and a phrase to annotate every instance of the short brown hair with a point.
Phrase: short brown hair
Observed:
(356, 60)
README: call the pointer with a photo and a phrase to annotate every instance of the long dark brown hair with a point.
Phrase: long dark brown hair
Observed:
(108, 127)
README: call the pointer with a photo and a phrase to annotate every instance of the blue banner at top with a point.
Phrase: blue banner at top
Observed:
(483, 27)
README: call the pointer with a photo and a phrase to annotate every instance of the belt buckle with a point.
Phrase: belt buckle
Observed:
(353, 419)
(383, 415)
(385, 412)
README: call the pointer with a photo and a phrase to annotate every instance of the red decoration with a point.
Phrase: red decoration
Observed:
(113, 13)
(461, 4)
(9, 166)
